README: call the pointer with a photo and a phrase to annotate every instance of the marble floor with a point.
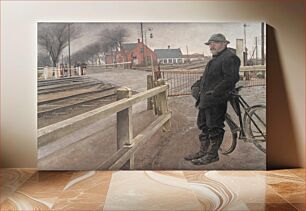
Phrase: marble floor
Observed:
(29, 189)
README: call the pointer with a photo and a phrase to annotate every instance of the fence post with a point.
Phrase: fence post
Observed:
(124, 124)
(157, 99)
(58, 73)
(162, 104)
(149, 86)
(46, 71)
(54, 73)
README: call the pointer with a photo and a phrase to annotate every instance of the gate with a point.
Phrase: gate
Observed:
(180, 81)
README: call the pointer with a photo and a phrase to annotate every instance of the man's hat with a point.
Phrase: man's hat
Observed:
(217, 38)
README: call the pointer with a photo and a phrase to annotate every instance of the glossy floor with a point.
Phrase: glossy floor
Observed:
(28, 189)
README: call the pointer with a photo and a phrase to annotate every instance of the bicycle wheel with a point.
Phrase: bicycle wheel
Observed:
(255, 126)
(229, 142)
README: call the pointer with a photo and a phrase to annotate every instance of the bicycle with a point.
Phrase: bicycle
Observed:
(252, 127)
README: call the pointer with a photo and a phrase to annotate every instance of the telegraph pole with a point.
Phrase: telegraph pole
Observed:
(69, 49)
(245, 48)
(256, 48)
(262, 43)
(141, 27)
(143, 47)
(187, 53)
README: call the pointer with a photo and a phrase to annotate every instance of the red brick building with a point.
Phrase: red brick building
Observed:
(137, 53)
(115, 57)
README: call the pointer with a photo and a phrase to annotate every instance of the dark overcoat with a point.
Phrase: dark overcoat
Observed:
(219, 78)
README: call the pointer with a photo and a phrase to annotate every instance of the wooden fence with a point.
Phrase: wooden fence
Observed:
(46, 73)
(127, 144)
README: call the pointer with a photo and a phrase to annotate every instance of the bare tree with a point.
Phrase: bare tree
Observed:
(88, 53)
(53, 37)
(112, 39)
(43, 59)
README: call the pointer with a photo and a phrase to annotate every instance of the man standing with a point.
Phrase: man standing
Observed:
(212, 93)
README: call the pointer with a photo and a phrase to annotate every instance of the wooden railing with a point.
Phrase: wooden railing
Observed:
(126, 143)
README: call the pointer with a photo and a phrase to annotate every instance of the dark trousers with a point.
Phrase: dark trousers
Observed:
(211, 119)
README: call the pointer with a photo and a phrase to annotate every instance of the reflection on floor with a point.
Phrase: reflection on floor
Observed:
(28, 189)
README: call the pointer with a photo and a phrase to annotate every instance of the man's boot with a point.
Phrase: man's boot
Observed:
(212, 154)
(204, 139)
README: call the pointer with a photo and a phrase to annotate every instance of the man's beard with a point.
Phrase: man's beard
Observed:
(213, 51)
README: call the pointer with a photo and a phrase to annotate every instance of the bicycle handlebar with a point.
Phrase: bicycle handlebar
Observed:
(238, 88)
(235, 92)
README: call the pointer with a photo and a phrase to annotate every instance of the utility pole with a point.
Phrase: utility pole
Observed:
(143, 47)
(69, 49)
(187, 53)
(245, 48)
(256, 48)
(141, 27)
(262, 43)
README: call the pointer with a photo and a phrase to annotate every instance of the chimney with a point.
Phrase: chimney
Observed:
(138, 40)
(168, 46)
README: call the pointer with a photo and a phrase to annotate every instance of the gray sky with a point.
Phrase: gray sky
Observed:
(177, 35)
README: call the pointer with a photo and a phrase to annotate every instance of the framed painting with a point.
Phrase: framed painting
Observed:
(151, 95)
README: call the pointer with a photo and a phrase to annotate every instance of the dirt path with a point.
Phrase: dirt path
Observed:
(168, 149)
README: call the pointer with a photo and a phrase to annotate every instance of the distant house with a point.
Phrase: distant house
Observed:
(137, 53)
(193, 57)
(169, 56)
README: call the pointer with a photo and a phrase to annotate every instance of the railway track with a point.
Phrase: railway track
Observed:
(104, 87)
(64, 98)
(63, 84)
(66, 87)
(42, 83)
(85, 99)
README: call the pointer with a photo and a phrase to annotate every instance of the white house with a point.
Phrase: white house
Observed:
(169, 56)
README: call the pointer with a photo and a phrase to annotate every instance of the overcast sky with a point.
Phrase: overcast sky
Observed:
(177, 35)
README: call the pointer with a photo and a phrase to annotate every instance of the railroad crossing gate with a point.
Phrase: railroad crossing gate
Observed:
(180, 81)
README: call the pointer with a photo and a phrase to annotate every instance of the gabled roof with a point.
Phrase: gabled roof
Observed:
(129, 46)
(168, 53)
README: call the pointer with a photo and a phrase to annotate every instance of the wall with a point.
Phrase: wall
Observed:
(286, 63)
